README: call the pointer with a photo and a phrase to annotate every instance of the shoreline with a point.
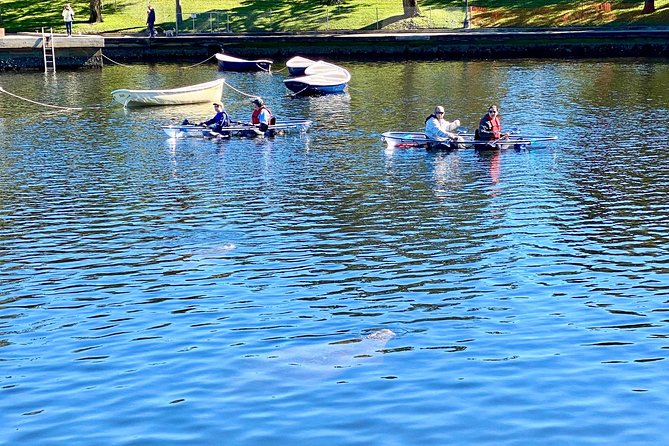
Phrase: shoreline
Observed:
(24, 51)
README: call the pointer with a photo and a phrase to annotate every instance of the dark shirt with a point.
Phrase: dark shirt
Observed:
(221, 119)
(489, 128)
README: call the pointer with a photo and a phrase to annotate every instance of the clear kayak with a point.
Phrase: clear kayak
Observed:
(418, 139)
(241, 130)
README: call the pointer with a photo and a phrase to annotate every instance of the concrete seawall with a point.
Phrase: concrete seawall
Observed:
(87, 51)
(496, 43)
(25, 51)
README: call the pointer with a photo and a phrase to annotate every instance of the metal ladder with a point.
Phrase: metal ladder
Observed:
(48, 51)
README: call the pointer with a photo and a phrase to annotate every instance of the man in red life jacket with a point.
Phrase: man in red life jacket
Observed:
(262, 115)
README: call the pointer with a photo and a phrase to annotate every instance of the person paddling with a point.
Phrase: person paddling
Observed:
(439, 129)
(490, 126)
(220, 120)
(261, 118)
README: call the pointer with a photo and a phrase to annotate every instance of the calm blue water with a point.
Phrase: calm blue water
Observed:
(157, 292)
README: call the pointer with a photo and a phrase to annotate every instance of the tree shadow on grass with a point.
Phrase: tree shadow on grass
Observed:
(269, 16)
(581, 13)
(386, 22)
(29, 15)
(295, 16)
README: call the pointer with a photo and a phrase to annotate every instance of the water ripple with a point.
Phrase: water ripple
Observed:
(152, 288)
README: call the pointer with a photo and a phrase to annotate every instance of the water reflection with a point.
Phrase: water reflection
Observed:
(447, 175)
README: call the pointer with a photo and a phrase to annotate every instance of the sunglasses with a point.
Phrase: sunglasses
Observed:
(492, 111)
(439, 113)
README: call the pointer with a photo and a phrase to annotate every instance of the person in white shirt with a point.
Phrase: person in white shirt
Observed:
(439, 129)
(68, 18)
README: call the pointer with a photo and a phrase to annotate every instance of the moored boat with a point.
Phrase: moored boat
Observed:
(229, 63)
(296, 65)
(193, 94)
(404, 140)
(320, 78)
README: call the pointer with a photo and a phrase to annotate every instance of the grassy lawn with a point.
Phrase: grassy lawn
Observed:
(129, 16)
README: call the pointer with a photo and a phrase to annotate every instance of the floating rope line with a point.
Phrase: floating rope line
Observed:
(39, 103)
(241, 92)
(2, 90)
(117, 63)
(199, 63)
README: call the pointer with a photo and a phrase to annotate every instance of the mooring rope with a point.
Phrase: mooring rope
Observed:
(58, 107)
(263, 69)
(117, 63)
(279, 71)
(292, 95)
(199, 63)
(38, 103)
(241, 92)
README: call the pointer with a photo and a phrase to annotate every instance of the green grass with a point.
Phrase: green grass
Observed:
(129, 16)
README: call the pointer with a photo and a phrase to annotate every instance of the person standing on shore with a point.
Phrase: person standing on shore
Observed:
(68, 18)
(151, 20)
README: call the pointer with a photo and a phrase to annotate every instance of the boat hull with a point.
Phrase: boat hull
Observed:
(306, 88)
(244, 66)
(319, 78)
(297, 65)
(206, 92)
(229, 63)
(296, 71)
(186, 131)
(404, 140)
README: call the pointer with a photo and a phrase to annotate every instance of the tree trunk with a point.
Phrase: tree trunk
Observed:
(96, 11)
(648, 6)
(178, 17)
(410, 8)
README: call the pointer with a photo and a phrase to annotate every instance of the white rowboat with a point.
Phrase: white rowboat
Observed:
(319, 78)
(206, 92)
(296, 65)
(229, 63)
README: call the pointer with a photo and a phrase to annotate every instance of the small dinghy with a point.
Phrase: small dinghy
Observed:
(296, 65)
(229, 63)
(238, 130)
(404, 140)
(194, 94)
(320, 78)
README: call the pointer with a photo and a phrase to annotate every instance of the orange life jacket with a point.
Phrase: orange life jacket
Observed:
(256, 112)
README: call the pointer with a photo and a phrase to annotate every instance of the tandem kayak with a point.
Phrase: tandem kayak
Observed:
(197, 131)
(404, 140)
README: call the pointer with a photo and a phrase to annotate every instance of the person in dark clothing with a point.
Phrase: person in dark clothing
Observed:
(151, 20)
(220, 120)
(490, 127)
